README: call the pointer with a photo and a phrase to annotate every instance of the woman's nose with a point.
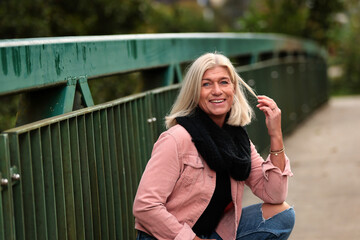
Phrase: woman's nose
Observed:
(216, 89)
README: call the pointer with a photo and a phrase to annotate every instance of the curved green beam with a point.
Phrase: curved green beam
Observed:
(27, 64)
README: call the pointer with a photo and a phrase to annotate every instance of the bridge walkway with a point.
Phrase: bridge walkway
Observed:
(325, 158)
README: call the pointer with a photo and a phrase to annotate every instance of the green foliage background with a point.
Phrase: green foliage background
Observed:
(314, 19)
(334, 24)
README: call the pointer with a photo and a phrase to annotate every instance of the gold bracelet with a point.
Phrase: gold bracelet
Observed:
(277, 151)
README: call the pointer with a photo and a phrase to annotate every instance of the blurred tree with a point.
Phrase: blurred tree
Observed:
(334, 24)
(348, 53)
(177, 17)
(37, 18)
(321, 19)
(303, 18)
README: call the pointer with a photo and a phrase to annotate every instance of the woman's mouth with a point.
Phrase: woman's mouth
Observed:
(217, 101)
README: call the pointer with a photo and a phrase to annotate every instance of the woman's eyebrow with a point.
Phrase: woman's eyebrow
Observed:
(221, 78)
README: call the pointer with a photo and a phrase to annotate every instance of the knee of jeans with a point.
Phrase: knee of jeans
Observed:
(286, 224)
(289, 218)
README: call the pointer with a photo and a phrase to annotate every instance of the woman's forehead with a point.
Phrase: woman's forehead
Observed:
(218, 69)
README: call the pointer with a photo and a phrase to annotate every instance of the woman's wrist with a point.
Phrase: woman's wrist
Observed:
(277, 152)
(276, 142)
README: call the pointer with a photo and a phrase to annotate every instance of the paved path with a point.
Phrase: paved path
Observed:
(325, 157)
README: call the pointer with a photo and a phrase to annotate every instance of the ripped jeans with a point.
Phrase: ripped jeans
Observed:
(253, 226)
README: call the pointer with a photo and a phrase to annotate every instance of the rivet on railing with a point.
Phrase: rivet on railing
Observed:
(305, 108)
(251, 82)
(293, 116)
(4, 182)
(150, 120)
(274, 74)
(15, 177)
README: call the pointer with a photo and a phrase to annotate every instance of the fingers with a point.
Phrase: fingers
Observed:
(272, 115)
(266, 110)
(267, 105)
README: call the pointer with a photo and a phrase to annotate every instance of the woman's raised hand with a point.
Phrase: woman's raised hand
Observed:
(272, 114)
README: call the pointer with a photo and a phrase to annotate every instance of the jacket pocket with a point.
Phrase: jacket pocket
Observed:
(193, 168)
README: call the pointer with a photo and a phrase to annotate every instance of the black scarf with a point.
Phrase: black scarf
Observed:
(225, 149)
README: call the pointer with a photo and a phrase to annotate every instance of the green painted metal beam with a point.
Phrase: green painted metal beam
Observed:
(42, 62)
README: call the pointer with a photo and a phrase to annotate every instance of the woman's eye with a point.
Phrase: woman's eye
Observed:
(224, 82)
(206, 84)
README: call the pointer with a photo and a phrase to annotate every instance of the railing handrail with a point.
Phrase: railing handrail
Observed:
(35, 63)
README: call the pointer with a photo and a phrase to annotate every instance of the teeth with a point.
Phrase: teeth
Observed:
(217, 101)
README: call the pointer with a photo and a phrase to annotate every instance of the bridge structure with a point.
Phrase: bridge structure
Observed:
(70, 168)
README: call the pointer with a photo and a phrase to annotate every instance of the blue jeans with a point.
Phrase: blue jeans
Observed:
(253, 226)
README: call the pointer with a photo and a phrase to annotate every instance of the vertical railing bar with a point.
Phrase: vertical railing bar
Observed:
(149, 113)
(154, 112)
(149, 129)
(7, 221)
(76, 176)
(107, 171)
(138, 137)
(292, 94)
(39, 188)
(28, 190)
(93, 176)
(159, 109)
(135, 150)
(120, 164)
(101, 175)
(49, 183)
(132, 171)
(85, 178)
(68, 179)
(114, 172)
(125, 168)
(143, 135)
(164, 109)
(18, 198)
(135, 143)
(2, 209)
(59, 181)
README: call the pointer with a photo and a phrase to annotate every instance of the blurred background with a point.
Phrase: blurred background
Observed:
(334, 24)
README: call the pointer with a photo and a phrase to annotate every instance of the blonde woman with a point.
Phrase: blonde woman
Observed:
(193, 184)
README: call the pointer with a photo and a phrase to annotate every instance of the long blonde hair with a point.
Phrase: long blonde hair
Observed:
(188, 99)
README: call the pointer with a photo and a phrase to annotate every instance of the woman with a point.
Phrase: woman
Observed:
(193, 184)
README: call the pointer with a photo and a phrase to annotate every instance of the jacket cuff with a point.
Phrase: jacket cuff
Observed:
(268, 167)
(186, 233)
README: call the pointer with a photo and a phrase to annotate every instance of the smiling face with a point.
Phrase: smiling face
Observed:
(216, 94)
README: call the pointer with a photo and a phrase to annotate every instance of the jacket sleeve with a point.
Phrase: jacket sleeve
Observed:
(156, 184)
(267, 181)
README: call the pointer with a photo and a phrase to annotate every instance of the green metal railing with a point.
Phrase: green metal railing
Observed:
(74, 175)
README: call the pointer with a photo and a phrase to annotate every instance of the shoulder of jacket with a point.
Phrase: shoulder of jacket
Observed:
(178, 132)
(182, 138)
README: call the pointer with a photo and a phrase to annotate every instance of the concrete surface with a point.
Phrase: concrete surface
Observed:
(325, 158)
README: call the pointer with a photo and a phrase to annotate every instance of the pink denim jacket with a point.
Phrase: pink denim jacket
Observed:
(177, 186)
